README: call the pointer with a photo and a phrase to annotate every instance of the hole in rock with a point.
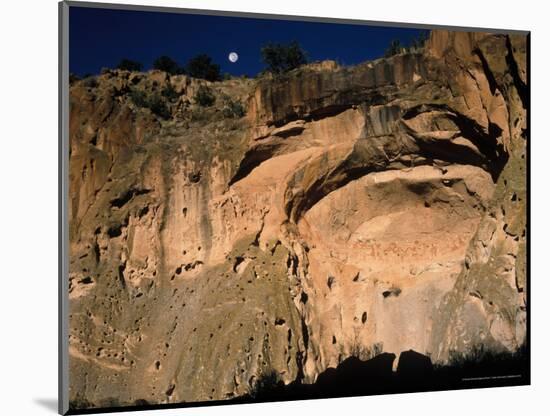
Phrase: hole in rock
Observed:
(170, 390)
(238, 260)
(115, 231)
(97, 253)
(195, 177)
(394, 291)
(476, 294)
(144, 211)
(127, 196)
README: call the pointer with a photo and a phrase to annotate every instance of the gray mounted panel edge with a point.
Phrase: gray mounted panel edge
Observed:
(318, 19)
(63, 196)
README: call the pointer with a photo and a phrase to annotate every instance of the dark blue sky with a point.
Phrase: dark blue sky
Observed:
(101, 37)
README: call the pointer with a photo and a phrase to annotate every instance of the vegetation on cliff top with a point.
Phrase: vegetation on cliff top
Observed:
(281, 58)
(129, 65)
(202, 66)
(278, 59)
(396, 47)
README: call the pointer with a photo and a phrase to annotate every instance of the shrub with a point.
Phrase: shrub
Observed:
(233, 109)
(394, 48)
(418, 42)
(169, 93)
(266, 384)
(139, 98)
(167, 64)
(204, 96)
(364, 352)
(201, 66)
(158, 106)
(90, 82)
(283, 58)
(155, 103)
(481, 360)
(73, 78)
(129, 65)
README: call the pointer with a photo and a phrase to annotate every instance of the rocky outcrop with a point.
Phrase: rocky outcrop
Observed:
(352, 211)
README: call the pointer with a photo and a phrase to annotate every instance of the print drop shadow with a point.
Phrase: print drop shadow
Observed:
(49, 404)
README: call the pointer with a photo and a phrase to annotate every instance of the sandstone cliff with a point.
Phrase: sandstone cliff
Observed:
(353, 210)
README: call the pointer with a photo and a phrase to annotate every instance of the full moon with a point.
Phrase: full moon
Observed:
(233, 57)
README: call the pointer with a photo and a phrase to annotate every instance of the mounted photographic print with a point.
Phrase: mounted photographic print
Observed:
(265, 208)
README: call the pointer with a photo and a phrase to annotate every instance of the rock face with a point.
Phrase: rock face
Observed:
(352, 211)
